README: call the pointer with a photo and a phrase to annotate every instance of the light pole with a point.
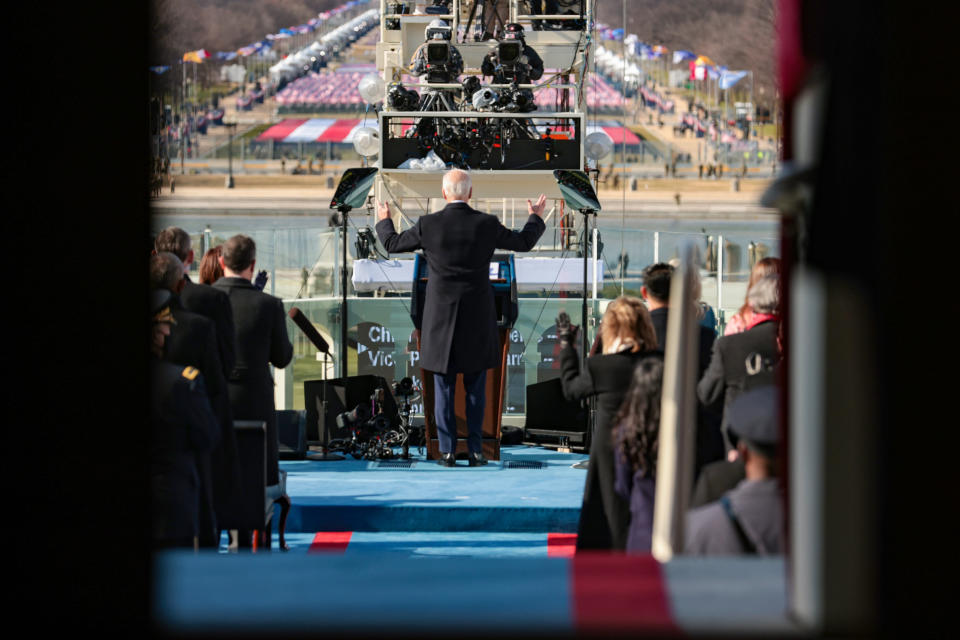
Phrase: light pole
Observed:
(231, 126)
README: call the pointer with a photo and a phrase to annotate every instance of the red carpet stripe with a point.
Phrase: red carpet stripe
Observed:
(619, 592)
(561, 545)
(282, 129)
(338, 130)
(330, 542)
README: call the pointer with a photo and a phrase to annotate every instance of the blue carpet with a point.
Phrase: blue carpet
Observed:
(359, 495)
(360, 593)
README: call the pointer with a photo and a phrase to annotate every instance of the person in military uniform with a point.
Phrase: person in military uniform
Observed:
(213, 304)
(183, 426)
(749, 518)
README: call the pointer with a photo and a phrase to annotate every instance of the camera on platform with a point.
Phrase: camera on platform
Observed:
(404, 388)
(509, 52)
(401, 98)
(438, 53)
(485, 99)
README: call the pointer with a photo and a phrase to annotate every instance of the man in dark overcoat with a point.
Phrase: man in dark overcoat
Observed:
(655, 292)
(192, 342)
(215, 306)
(261, 338)
(459, 329)
(736, 356)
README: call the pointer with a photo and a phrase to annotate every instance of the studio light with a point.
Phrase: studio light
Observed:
(367, 141)
(597, 145)
(371, 87)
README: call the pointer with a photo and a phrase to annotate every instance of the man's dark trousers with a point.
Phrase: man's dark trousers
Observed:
(475, 385)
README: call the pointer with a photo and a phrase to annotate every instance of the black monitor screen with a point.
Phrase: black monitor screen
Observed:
(353, 188)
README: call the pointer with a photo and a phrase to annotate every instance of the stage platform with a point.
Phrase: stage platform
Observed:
(529, 490)
(469, 552)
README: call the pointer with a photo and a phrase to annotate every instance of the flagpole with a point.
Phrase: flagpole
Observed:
(183, 100)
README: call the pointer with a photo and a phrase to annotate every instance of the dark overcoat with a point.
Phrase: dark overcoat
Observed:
(709, 439)
(604, 515)
(193, 342)
(182, 427)
(213, 304)
(726, 374)
(261, 338)
(459, 329)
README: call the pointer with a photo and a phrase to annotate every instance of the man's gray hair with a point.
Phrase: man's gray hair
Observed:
(457, 184)
(166, 271)
(764, 295)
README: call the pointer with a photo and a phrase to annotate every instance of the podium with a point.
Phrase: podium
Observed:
(504, 282)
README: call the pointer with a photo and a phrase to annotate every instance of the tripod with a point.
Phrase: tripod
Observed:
(486, 14)
(405, 427)
(436, 100)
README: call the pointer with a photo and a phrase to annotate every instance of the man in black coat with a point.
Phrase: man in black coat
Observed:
(214, 305)
(183, 427)
(261, 338)
(193, 342)
(655, 291)
(459, 329)
(737, 356)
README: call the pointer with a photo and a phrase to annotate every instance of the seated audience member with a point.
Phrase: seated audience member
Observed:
(635, 450)
(749, 518)
(182, 427)
(734, 356)
(742, 319)
(210, 269)
(656, 294)
(628, 335)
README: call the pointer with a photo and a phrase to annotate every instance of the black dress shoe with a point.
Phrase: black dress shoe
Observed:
(447, 460)
(476, 459)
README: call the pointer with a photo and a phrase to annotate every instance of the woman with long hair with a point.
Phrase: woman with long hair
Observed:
(210, 269)
(627, 335)
(636, 436)
(743, 318)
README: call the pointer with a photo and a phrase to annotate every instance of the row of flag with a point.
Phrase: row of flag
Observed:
(701, 66)
(309, 26)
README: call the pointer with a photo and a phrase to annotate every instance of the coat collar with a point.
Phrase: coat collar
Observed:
(241, 283)
(458, 206)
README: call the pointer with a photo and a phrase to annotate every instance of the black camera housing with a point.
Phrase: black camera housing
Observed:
(401, 98)
(438, 53)
(509, 52)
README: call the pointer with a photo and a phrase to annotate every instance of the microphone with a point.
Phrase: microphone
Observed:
(309, 330)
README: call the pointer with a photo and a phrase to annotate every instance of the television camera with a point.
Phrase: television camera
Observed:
(365, 432)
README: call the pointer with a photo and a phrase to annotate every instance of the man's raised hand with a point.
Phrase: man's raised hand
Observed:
(383, 211)
(537, 209)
